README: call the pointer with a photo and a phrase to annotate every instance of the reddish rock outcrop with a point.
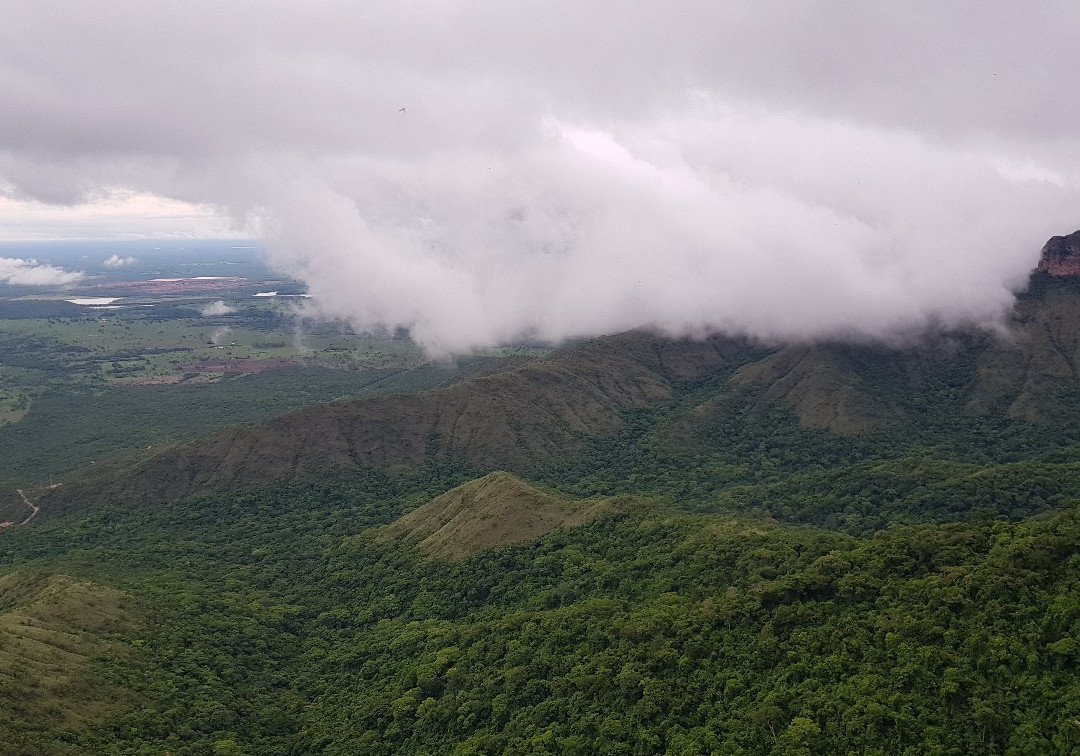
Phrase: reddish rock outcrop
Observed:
(1061, 255)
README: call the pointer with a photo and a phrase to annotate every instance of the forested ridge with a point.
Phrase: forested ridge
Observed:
(836, 549)
(280, 622)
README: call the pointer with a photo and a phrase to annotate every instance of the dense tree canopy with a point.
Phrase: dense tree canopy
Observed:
(278, 622)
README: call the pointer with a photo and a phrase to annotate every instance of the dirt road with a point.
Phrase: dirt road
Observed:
(34, 507)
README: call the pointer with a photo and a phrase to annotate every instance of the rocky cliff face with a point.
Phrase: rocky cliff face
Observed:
(1061, 255)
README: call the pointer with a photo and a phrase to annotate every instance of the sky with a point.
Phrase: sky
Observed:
(112, 214)
(482, 172)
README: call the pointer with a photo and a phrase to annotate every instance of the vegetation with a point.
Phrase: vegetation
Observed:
(81, 387)
(53, 631)
(635, 413)
(704, 547)
(71, 427)
(279, 622)
(495, 510)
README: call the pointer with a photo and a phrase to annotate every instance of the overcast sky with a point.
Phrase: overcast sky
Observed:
(486, 170)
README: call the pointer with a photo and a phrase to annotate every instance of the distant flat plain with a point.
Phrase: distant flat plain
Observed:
(84, 380)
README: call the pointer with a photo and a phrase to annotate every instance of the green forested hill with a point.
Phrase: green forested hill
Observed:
(512, 419)
(830, 548)
(281, 623)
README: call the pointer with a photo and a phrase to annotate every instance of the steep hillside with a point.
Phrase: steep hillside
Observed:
(821, 387)
(511, 419)
(1034, 372)
(494, 510)
(52, 629)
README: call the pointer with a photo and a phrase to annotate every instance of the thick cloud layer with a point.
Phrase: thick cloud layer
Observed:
(484, 171)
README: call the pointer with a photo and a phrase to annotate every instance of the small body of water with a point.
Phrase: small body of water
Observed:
(91, 301)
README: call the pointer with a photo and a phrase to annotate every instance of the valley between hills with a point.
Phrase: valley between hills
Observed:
(634, 544)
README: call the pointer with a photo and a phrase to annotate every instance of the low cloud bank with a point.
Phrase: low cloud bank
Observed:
(757, 224)
(481, 172)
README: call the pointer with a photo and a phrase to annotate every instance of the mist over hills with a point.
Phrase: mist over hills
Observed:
(538, 414)
(479, 173)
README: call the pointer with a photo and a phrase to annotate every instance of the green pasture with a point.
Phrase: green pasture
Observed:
(140, 343)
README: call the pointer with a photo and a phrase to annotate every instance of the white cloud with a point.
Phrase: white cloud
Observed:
(116, 261)
(21, 272)
(565, 169)
(216, 309)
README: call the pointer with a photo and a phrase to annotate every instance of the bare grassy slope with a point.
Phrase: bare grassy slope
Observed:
(494, 510)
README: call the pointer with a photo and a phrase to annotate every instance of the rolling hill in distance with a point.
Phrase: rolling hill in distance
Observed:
(532, 416)
(633, 544)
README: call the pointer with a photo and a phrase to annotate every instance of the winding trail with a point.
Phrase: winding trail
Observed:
(30, 504)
